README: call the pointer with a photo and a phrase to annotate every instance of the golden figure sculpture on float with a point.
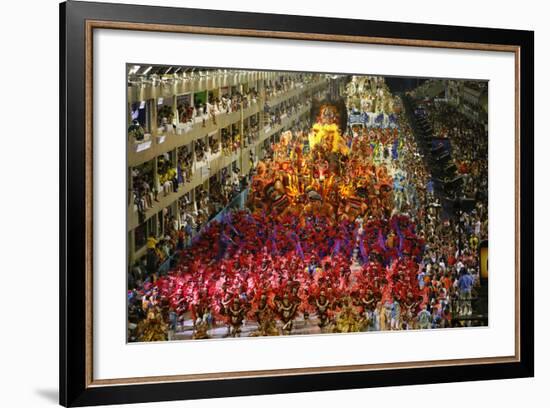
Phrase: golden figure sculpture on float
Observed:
(318, 174)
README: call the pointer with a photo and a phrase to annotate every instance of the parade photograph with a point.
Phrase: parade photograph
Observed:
(270, 203)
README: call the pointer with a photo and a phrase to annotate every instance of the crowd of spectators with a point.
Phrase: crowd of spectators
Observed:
(450, 269)
(185, 163)
(469, 142)
(284, 84)
(230, 140)
(144, 191)
(275, 115)
(167, 175)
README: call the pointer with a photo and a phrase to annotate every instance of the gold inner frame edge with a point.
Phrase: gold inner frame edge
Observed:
(104, 24)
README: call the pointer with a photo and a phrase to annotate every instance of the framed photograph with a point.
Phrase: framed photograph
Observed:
(256, 203)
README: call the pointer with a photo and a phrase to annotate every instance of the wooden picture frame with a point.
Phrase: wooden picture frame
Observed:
(78, 20)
